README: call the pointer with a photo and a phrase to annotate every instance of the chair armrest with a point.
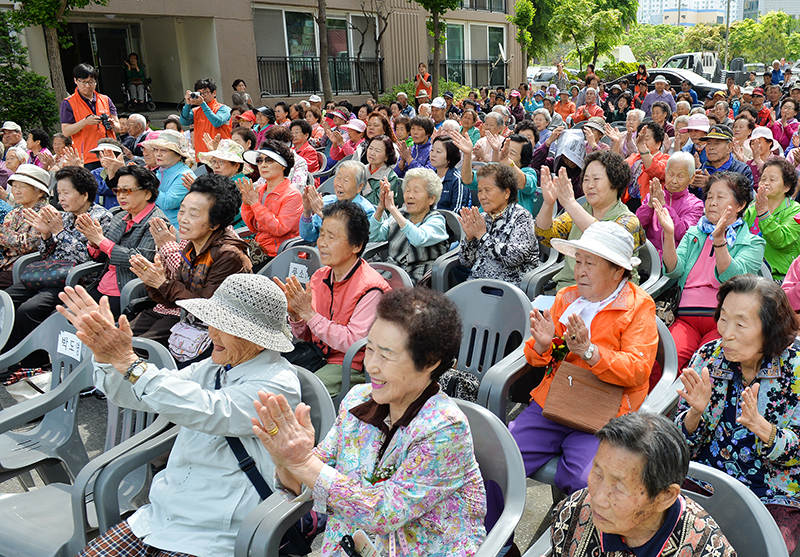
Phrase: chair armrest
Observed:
(663, 398)
(496, 382)
(347, 368)
(82, 270)
(243, 231)
(661, 285)
(29, 410)
(131, 291)
(21, 263)
(441, 270)
(82, 485)
(375, 248)
(541, 547)
(536, 282)
(263, 529)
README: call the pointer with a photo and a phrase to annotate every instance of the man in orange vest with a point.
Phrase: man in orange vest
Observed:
(87, 115)
(209, 116)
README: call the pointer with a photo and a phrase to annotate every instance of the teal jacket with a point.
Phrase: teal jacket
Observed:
(747, 254)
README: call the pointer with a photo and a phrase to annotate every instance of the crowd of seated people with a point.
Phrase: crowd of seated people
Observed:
(194, 214)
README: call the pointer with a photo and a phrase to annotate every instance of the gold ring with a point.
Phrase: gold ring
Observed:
(145, 268)
(273, 431)
(572, 336)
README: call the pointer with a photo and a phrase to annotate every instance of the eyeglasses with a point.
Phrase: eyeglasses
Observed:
(124, 191)
(87, 81)
(260, 160)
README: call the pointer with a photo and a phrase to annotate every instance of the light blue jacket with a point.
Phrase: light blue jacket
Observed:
(171, 190)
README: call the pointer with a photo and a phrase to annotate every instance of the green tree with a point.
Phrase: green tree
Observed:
(775, 29)
(543, 36)
(593, 31)
(744, 39)
(653, 44)
(627, 10)
(52, 15)
(25, 96)
(705, 37)
(793, 46)
(436, 27)
(524, 12)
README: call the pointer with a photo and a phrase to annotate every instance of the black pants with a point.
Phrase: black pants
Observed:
(113, 301)
(31, 309)
(153, 325)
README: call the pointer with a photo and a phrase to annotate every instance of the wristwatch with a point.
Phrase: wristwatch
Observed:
(135, 370)
(589, 353)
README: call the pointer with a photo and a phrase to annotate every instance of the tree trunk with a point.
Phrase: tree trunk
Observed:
(54, 55)
(594, 58)
(435, 69)
(324, 70)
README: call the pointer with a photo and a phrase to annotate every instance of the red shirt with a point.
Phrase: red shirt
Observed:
(310, 154)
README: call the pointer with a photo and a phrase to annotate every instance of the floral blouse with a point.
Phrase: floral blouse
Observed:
(70, 244)
(17, 237)
(772, 473)
(507, 251)
(422, 482)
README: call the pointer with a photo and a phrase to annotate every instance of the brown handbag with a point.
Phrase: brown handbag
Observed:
(580, 400)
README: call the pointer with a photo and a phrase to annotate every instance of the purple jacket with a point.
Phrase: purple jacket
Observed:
(422, 159)
(685, 210)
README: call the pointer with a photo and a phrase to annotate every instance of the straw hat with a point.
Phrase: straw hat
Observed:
(32, 175)
(227, 150)
(597, 123)
(608, 240)
(170, 139)
(246, 306)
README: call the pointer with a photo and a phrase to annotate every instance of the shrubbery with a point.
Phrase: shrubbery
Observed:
(460, 92)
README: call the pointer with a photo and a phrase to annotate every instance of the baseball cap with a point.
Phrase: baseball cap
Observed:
(448, 94)
(539, 92)
(758, 91)
(719, 93)
(11, 126)
(616, 86)
(515, 93)
(247, 115)
(697, 122)
(719, 131)
(661, 79)
(438, 102)
(422, 93)
(314, 99)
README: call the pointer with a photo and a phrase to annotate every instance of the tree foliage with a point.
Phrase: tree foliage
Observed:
(653, 44)
(25, 97)
(524, 11)
(542, 33)
(627, 10)
(593, 32)
(705, 37)
(436, 26)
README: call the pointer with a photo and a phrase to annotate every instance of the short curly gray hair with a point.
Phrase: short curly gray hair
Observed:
(543, 112)
(433, 184)
(359, 169)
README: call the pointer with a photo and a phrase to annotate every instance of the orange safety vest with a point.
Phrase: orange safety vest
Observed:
(87, 138)
(203, 126)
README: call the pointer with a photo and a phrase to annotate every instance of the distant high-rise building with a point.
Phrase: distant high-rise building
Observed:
(755, 8)
(693, 12)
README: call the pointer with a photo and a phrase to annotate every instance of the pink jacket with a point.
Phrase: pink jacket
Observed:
(783, 134)
(685, 209)
(791, 284)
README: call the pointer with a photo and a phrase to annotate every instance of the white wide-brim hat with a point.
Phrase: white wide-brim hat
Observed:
(765, 133)
(608, 240)
(246, 306)
(32, 175)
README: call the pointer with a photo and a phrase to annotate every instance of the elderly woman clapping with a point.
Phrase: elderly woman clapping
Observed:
(399, 462)
(210, 400)
(417, 234)
(740, 409)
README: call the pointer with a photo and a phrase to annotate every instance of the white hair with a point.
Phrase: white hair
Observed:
(433, 184)
(640, 115)
(138, 119)
(542, 112)
(498, 116)
(450, 125)
(684, 104)
(681, 157)
(18, 153)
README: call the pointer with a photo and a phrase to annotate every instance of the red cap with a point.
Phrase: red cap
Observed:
(758, 91)
(249, 116)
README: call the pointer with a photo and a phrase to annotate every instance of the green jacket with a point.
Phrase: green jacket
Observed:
(782, 234)
(747, 253)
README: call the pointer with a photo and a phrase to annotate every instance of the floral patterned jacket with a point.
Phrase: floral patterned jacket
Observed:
(17, 237)
(434, 495)
(70, 244)
(778, 402)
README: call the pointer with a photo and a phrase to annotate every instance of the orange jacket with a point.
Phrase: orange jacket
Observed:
(202, 126)
(87, 138)
(624, 332)
(276, 217)
(656, 170)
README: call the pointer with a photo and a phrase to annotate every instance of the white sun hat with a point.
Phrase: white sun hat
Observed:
(608, 240)
(246, 306)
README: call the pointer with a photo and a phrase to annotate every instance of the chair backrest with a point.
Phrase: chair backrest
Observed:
(741, 515)
(6, 317)
(495, 319)
(314, 393)
(650, 267)
(455, 232)
(134, 421)
(394, 275)
(299, 261)
(321, 160)
(326, 187)
(500, 461)
(765, 271)
(659, 399)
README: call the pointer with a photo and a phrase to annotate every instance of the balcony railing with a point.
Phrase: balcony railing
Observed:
(484, 5)
(473, 73)
(284, 76)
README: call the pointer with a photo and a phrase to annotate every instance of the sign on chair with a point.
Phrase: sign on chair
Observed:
(69, 345)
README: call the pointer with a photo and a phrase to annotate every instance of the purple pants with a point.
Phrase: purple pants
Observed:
(539, 440)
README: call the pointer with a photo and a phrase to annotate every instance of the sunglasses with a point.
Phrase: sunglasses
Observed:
(124, 191)
(260, 160)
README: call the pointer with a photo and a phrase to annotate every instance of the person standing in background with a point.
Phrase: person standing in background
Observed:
(209, 116)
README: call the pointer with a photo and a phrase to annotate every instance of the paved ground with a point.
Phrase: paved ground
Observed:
(92, 414)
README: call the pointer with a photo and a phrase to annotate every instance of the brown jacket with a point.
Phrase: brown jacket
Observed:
(223, 255)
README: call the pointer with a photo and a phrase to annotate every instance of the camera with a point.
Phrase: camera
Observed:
(107, 124)
(194, 95)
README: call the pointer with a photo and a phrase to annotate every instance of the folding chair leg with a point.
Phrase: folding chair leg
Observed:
(26, 481)
(54, 473)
